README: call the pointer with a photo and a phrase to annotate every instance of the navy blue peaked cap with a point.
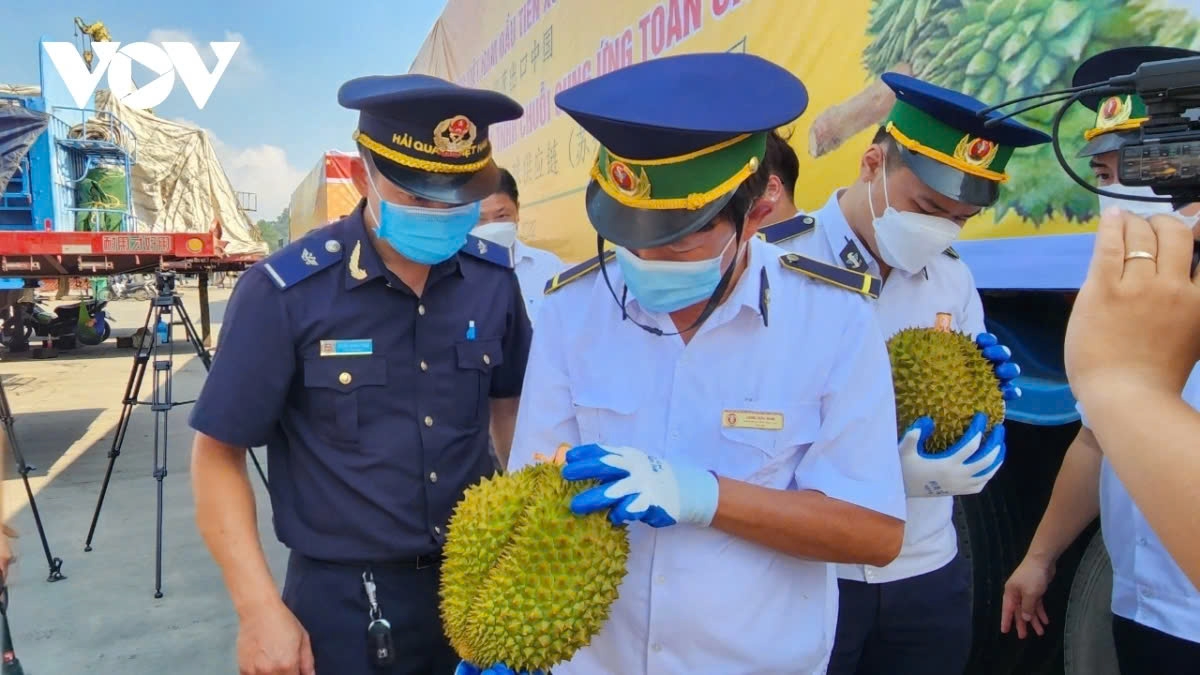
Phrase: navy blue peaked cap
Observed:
(961, 111)
(678, 134)
(1118, 117)
(427, 135)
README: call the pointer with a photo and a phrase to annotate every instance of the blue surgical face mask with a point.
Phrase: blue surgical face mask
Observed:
(423, 235)
(669, 285)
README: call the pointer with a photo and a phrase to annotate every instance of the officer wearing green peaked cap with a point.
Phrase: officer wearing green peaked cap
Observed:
(736, 478)
(1118, 119)
(931, 167)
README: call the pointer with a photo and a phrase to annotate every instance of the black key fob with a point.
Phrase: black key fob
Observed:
(379, 642)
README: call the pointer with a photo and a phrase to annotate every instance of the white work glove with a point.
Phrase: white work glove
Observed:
(963, 469)
(637, 486)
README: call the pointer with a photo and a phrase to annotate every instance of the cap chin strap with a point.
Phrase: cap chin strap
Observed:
(713, 300)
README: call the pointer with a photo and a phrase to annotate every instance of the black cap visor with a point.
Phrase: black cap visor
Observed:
(454, 189)
(1108, 142)
(645, 228)
(959, 186)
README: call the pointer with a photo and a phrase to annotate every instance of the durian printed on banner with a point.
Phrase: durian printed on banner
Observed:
(998, 50)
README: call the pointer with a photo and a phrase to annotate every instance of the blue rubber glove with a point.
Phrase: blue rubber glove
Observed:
(1006, 370)
(467, 668)
(963, 469)
(637, 486)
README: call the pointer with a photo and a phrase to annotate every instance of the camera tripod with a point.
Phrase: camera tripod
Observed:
(158, 318)
(6, 417)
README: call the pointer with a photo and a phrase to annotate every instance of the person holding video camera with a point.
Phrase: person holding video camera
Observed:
(1156, 608)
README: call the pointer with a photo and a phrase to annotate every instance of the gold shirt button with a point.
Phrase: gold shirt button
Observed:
(428, 421)
(487, 360)
(345, 378)
(424, 366)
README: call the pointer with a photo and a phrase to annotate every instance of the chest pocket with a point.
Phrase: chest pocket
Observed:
(338, 391)
(605, 413)
(765, 445)
(477, 359)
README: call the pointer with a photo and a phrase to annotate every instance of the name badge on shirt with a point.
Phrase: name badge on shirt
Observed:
(347, 347)
(751, 419)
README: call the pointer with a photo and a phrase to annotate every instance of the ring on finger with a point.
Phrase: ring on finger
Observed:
(1139, 254)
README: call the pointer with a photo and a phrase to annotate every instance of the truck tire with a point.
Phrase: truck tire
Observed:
(1087, 630)
(994, 531)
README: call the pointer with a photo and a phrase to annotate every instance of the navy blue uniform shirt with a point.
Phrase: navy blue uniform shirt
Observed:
(372, 402)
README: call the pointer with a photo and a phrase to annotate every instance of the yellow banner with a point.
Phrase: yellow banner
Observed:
(996, 50)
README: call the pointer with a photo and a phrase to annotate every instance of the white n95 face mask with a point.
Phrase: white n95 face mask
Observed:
(907, 240)
(1136, 207)
(502, 233)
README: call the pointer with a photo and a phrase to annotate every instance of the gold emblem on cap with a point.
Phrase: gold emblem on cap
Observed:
(1113, 111)
(455, 136)
(626, 181)
(976, 151)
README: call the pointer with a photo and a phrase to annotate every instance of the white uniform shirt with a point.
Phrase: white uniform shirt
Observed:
(905, 301)
(698, 600)
(534, 267)
(1148, 586)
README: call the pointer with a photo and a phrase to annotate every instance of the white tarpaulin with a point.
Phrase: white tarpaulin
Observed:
(178, 183)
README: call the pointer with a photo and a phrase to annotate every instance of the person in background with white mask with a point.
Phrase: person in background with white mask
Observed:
(498, 218)
(930, 168)
(1156, 608)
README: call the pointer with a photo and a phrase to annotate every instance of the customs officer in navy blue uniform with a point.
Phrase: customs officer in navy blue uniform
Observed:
(370, 357)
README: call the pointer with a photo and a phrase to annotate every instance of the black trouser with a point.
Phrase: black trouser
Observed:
(915, 626)
(1142, 650)
(329, 601)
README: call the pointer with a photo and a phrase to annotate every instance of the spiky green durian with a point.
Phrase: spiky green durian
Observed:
(525, 581)
(942, 374)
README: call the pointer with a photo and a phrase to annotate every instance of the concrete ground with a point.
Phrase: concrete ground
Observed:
(104, 618)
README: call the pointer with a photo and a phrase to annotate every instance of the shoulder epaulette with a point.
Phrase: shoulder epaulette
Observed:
(952, 253)
(576, 272)
(302, 259)
(832, 274)
(786, 229)
(489, 251)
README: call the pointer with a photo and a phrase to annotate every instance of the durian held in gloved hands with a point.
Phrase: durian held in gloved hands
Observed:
(946, 376)
(526, 583)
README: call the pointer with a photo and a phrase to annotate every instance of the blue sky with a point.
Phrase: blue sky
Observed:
(275, 110)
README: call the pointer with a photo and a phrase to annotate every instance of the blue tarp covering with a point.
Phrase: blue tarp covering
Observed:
(19, 128)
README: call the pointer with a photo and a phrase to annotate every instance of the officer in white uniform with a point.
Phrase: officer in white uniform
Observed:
(737, 478)
(929, 169)
(1155, 607)
(498, 217)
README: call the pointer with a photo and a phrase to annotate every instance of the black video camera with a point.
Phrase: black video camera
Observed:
(165, 281)
(1164, 154)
